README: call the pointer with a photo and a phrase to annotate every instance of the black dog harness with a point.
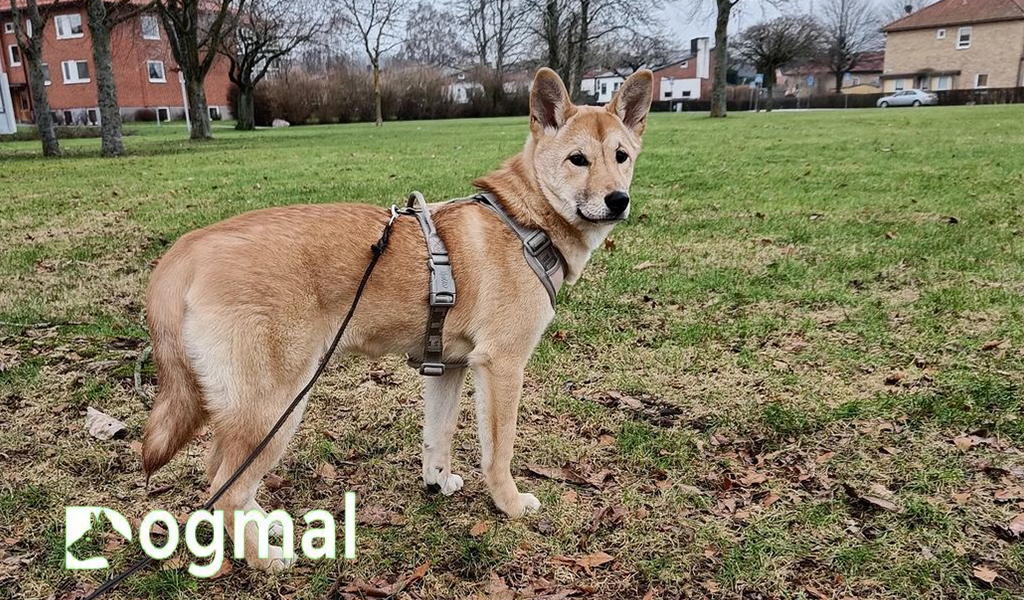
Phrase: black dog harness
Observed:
(540, 253)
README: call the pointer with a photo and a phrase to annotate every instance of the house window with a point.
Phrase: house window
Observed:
(8, 27)
(156, 71)
(604, 88)
(150, 27)
(68, 26)
(899, 85)
(616, 87)
(940, 34)
(15, 53)
(684, 64)
(163, 115)
(943, 82)
(69, 118)
(93, 115)
(686, 94)
(75, 71)
(856, 81)
(981, 80)
(215, 113)
(668, 94)
(963, 40)
(46, 73)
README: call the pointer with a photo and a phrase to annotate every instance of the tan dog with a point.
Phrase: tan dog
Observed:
(242, 311)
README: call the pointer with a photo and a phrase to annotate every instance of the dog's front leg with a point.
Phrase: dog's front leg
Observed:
(498, 388)
(441, 415)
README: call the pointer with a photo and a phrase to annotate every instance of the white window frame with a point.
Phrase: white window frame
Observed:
(9, 27)
(977, 81)
(142, 25)
(68, 117)
(939, 80)
(65, 72)
(88, 116)
(163, 71)
(10, 55)
(940, 34)
(63, 22)
(685, 64)
(211, 110)
(47, 79)
(166, 109)
(898, 85)
(960, 45)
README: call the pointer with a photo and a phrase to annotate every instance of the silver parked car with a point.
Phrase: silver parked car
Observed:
(908, 98)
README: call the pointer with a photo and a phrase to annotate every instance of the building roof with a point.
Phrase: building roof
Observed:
(869, 62)
(959, 12)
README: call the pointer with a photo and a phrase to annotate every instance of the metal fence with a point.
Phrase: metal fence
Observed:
(739, 101)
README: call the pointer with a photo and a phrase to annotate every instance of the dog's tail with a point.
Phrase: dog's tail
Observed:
(178, 410)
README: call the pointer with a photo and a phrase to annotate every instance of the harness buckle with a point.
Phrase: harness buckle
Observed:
(432, 369)
(537, 243)
(442, 286)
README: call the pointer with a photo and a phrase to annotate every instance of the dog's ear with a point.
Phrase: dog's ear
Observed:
(550, 106)
(633, 100)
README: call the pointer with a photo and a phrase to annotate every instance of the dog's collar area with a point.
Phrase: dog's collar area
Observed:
(540, 253)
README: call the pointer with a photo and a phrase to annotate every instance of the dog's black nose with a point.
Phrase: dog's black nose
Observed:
(617, 202)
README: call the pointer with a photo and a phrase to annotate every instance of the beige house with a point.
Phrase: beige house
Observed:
(956, 44)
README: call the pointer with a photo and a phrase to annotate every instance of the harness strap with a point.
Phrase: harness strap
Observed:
(542, 255)
(442, 289)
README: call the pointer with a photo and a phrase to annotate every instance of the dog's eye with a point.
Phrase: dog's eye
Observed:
(621, 156)
(579, 160)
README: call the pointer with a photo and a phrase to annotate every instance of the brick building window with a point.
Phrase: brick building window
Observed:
(68, 26)
(155, 68)
(14, 52)
(981, 80)
(150, 27)
(46, 73)
(940, 34)
(963, 40)
(75, 71)
(8, 27)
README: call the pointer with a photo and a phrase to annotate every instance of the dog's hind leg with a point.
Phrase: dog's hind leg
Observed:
(441, 416)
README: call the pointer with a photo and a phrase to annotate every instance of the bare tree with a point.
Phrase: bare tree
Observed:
(373, 22)
(570, 30)
(850, 28)
(432, 37)
(30, 45)
(498, 32)
(627, 54)
(723, 11)
(894, 10)
(195, 30)
(267, 31)
(103, 17)
(776, 43)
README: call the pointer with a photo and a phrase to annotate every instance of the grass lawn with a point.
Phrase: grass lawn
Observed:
(795, 373)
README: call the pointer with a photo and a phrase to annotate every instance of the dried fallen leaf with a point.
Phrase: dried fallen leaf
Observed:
(963, 442)
(102, 426)
(480, 528)
(985, 574)
(594, 560)
(570, 497)
(753, 478)
(275, 482)
(875, 501)
(1017, 525)
(327, 472)
(644, 265)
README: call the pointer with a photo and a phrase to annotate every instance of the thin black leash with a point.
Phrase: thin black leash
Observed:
(378, 250)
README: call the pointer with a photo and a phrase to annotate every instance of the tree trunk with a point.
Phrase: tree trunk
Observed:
(246, 109)
(112, 143)
(41, 107)
(552, 17)
(718, 102)
(839, 82)
(197, 108)
(377, 108)
(769, 101)
(576, 73)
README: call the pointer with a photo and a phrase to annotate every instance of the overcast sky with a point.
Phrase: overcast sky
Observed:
(681, 20)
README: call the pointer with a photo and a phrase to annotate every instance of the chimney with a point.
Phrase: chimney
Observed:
(699, 49)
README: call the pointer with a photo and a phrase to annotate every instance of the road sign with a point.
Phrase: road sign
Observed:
(810, 80)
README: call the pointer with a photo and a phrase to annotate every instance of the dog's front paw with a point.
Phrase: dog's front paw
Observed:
(275, 562)
(523, 505)
(448, 483)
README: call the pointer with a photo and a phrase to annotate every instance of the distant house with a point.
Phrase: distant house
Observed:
(144, 70)
(956, 44)
(815, 79)
(463, 85)
(687, 77)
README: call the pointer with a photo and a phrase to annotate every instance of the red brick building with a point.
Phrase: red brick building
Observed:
(144, 69)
